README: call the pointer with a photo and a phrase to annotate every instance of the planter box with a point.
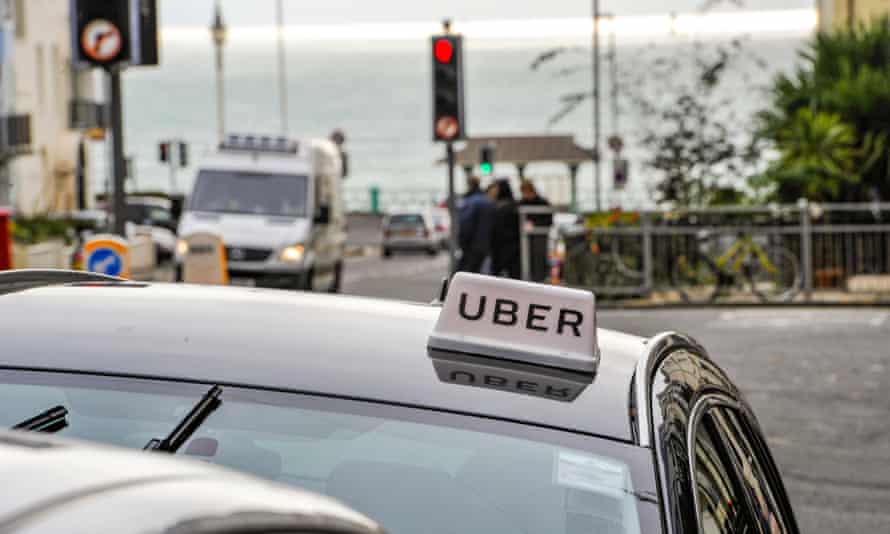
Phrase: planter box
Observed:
(48, 255)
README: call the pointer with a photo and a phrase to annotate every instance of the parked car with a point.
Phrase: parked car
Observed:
(499, 408)
(413, 230)
(59, 485)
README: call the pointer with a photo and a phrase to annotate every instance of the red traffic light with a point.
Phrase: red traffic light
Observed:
(443, 50)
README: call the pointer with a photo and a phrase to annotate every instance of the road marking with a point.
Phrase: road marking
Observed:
(878, 320)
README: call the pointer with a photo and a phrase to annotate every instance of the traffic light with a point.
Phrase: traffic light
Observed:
(183, 154)
(486, 160)
(101, 33)
(448, 88)
(164, 152)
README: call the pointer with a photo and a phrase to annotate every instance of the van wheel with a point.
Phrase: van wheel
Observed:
(387, 253)
(337, 283)
(432, 251)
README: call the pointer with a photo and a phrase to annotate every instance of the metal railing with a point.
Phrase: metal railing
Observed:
(635, 254)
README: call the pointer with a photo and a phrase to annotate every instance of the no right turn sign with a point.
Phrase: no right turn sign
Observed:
(101, 41)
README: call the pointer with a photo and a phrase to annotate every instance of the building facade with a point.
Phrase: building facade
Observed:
(46, 169)
(840, 13)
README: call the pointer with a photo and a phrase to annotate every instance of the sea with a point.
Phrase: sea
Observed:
(378, 93)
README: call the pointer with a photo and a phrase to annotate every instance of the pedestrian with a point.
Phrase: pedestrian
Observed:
(475, 218)
(505, 233)
(539, 264)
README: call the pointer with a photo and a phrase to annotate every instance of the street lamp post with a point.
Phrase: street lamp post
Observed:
(597, 134)
(219, 33)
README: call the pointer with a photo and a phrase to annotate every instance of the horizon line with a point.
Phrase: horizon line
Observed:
(798, 21)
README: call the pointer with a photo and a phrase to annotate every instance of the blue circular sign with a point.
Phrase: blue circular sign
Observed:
(106, 261)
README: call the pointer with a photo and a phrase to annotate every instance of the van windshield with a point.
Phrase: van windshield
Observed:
(279, 195)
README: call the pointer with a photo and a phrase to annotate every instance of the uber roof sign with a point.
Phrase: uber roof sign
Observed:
(519, 321)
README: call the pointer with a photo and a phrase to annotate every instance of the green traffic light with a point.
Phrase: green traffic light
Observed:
(485, 168)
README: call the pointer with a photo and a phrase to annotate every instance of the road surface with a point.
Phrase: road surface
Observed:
(818, 380)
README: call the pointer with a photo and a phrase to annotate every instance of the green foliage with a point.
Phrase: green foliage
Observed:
(829, 121)
(41, 228)
(820, 156)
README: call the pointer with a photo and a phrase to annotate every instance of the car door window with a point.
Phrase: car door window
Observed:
(763, 495)
(721, 500)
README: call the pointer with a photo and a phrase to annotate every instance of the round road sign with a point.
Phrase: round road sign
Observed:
(101, 41)
(108, 255)
(106, 261)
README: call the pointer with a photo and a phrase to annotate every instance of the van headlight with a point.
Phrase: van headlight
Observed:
(182, 248)
(292, 254)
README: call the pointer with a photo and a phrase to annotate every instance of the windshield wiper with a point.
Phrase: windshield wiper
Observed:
(189, 424)
(50, 421)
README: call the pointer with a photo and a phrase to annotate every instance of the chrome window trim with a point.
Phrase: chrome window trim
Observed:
(657, 349)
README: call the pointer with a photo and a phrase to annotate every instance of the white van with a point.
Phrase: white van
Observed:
(278, 207)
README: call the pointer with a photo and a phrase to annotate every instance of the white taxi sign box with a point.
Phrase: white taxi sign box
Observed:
(204, 260)
(503, 319)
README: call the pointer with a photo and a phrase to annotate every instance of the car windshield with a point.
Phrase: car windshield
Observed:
(414, 471)
(278, 195)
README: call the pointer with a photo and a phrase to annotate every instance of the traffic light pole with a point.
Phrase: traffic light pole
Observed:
(173, 163)
(452, 209)
(119, 164)
(597, 135)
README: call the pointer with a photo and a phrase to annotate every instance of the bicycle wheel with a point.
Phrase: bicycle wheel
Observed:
(779, 279)
(628, 261)
(696, 278)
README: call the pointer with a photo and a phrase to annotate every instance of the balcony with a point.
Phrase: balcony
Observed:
(15, 135)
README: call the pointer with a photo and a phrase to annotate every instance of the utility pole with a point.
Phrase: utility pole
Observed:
(119, 164)
(613, 73)
(597, 134)
(282, 67)
(219, 34)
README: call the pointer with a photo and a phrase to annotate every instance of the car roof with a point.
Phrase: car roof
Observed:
(65, 481)
(323, 344)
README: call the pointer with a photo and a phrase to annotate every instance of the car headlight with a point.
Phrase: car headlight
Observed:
(292, 254)
(182, 247)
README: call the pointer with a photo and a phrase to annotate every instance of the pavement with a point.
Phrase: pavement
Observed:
(817, 378)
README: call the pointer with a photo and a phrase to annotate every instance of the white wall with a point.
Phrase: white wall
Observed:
(45, 180)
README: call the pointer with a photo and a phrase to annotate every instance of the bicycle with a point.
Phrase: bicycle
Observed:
(771, 273)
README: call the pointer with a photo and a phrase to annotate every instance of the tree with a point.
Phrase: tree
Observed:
(841, 92)
(819, 157)
(701, 151)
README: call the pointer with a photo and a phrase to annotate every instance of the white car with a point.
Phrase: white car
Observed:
(68, 486)
(413, 229)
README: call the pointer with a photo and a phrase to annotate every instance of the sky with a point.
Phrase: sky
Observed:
(194, 13)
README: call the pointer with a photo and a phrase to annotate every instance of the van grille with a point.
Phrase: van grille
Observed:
(247, 254)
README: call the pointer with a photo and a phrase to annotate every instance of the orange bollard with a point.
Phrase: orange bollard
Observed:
(5, 240)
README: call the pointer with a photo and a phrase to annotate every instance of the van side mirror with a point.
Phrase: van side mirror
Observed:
(323, 215)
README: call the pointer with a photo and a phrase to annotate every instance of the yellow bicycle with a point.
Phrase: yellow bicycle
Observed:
(772, 273)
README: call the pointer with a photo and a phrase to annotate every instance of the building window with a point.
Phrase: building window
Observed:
(56, 89)
(40, 68)
(20, 19)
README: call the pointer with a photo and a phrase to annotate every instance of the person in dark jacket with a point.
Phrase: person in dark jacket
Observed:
(505, 234)
(538, 262)
(475, 218)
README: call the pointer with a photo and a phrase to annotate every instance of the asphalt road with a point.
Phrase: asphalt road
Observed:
(818, 379)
